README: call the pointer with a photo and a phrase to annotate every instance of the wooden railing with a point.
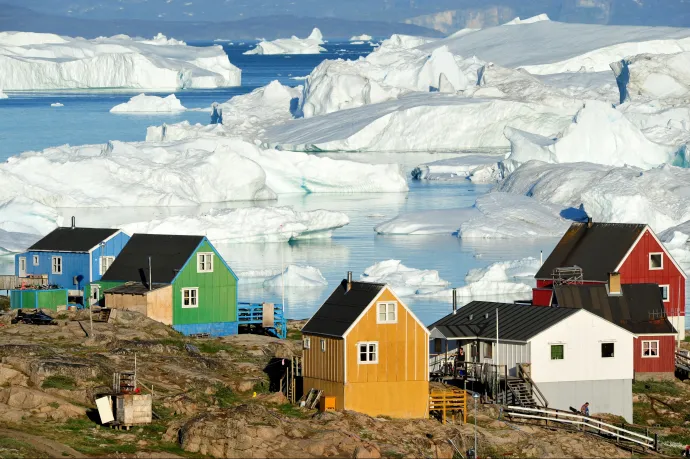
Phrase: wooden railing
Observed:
(584, 423)
(15, 282)
(682, 361)
(541, 399)
(447, 401)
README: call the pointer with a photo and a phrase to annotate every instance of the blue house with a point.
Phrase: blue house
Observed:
(69, 259)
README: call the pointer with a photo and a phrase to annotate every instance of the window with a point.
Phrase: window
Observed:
(204, 262)
(438, 345)
(488, 351)
(557, 352)
(190, 297)
(664, 292)
(57, 265)
(387, 313)
(650, 349)
(105, 263)
(368, 352)
(22, 266)
(607, 350)
(35, 257)
(323, 345)
(656, 260)
(95, 292)
(306, 342)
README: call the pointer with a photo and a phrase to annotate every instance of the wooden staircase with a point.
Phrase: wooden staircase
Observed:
(522, 393)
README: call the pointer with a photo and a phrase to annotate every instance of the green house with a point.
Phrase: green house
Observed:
(178, 280)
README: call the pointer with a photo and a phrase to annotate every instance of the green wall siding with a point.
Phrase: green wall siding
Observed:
(105, 285)
(47, 299)
(217, 292)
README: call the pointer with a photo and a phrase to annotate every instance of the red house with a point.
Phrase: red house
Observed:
(630, 306)
(590, 253)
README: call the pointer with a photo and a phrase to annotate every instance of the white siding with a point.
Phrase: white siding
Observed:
(511, 355)
(611, 396)
(581, 335)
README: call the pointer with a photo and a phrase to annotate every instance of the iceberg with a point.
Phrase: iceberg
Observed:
(182, 173)
(162, 40)
(426, 222)
(677, 241)
(292, 45)
(24, 222)
(659, 197)
(363, 37)
(56, 104)
(150, 104)
(250, 224)
(403, 280)
(598, 134)
(296, 276)
(477, 167)
(3, 95)
(30, 61)
(650, 77)
(531, 20)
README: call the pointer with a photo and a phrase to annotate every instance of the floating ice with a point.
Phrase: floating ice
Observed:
(162, 40)
(3, 95)
(293, 45)
(477, 167)
(296, 276)
(363, 37)
(403, 280)
(150, 104)
(531, 20)
(677, 241)
(660, 76)
(250, 224)
(56, 104)
(427, 222)
(31, 61)
(24, 222)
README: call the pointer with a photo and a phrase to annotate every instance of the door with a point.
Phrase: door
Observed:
(22, 266)
(95, 294)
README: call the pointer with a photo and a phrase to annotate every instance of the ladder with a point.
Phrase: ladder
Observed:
(522, 394)
(288, 383)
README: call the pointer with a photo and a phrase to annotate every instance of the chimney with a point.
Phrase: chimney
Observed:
(349, 281)
(455, 301)
(589, 222)
(74, 222)
(150, 279)
(614, 285)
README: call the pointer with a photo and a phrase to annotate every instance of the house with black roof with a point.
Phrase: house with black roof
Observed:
(590, 252)
(69, 259)
(571, 355)
(367, 349)
(177, 280)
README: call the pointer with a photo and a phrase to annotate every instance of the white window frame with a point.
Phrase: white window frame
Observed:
(368, 353)
(306, 343)
(53, 265)
(650, 261)
(194, 297)
(104, 259)
(36, 260)
(650, 341)
(390, 306)
(323, 345)
(204, 262)
(95, 288)
(668, 292)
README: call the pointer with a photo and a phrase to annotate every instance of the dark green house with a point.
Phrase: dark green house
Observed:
(178, 280)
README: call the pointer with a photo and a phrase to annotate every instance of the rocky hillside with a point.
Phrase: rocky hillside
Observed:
(212, 398)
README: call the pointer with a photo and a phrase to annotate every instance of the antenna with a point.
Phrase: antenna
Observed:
(150, 275)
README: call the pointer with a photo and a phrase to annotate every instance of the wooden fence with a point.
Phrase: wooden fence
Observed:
(14, 282)
(449, 401)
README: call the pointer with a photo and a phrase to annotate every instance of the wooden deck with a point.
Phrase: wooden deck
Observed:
(16, 282)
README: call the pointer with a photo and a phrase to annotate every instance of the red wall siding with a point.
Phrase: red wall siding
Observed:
(542, 296)
(635, 270)
(665, 363)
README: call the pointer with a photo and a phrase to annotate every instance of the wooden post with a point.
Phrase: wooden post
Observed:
(656, 441)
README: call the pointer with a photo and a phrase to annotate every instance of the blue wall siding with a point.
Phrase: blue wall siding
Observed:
(73, 264)
(112, 248)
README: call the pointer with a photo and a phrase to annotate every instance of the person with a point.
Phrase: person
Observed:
(686, 451)
(460, 362)
(584, 410)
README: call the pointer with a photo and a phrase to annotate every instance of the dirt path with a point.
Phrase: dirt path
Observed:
(49, 447)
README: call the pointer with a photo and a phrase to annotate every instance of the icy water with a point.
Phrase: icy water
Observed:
(30, 123)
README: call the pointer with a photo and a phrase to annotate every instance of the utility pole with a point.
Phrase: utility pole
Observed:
(475, 396)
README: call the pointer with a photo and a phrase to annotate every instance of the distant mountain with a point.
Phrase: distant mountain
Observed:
(269, 27)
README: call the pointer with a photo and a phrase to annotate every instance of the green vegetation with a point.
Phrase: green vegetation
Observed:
(656, 387)
(294, 334)
(225, 396)
(59, 382)
(4, 303)
(261, 387)
(291, 410)
(11, 448)
(213, 347)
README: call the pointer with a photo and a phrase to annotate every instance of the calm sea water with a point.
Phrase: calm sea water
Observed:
(30, 123)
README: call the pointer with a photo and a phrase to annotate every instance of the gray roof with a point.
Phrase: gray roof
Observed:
(134, 288)
(68, 239)
(632, 310)
(597, 249)
(342, 308)
(517, 322)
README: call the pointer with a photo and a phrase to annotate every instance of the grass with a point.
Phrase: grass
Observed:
(294, 335)
(225, 396)
(213, 347)
(261, 387)
(656, 387)
(59, 382)
(4, 303)
(290, 410)
(11, 448)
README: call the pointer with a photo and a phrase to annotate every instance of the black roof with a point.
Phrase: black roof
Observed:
(342, 308)
(597, 248)
(632, 310)
(67, 239)
(135, 288)
(168, 255)
(517, 322)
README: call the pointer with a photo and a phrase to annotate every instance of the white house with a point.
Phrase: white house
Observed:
(574, 356)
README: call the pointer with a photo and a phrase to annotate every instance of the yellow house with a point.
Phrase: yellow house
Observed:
(367, 349)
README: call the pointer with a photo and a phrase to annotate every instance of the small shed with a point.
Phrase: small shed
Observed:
(154, 301)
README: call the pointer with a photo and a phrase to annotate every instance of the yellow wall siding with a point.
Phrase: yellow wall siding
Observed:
(402, 347)
(403, 399)
(327, 366)
(335, 389)
(159, 305)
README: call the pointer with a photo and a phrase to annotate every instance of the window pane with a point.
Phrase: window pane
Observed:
(382, 316)
(557, 352)
(607, 350)
(655, 260)
(391, 312)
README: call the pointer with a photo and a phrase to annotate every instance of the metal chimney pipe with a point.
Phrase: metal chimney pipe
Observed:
(150, 279)
(349, 280)
(455, 301)
(74, 222)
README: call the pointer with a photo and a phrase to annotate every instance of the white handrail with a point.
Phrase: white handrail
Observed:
(581, 420)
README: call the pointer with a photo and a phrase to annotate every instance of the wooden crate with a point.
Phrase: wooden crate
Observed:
(133, 409)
